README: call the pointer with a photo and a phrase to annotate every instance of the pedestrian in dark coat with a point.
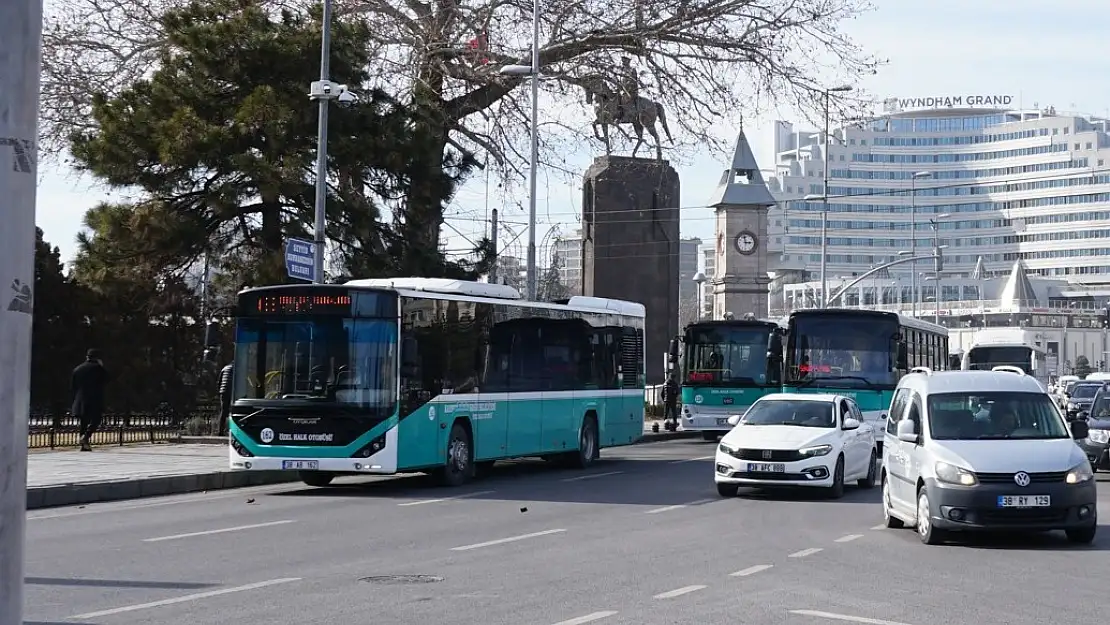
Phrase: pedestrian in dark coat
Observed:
(225, 396)
(88, 384)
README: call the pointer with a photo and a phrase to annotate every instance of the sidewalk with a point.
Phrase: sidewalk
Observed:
(67, 478)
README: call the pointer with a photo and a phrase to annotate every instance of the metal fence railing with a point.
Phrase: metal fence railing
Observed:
(53, 431)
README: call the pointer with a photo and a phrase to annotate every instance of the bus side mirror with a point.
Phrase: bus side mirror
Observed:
(903, 357)
(410, 356)
(212, 334)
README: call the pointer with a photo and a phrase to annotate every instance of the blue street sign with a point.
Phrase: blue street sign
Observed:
(300, 259)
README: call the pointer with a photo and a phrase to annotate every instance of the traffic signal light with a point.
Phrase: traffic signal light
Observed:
(1106, 317)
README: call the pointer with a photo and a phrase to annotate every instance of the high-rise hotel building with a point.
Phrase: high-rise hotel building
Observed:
(1001, 185)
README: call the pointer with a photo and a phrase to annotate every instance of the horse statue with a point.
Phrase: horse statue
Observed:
(610, 111)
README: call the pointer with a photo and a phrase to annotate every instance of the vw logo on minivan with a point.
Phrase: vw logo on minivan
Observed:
(1021, 478)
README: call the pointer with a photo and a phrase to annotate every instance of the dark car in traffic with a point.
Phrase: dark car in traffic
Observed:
(1081, 397)
(1097, 443)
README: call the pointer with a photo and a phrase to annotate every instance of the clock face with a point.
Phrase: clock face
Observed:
(746, 242)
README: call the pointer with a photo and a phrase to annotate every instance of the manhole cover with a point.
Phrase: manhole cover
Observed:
(401, 579)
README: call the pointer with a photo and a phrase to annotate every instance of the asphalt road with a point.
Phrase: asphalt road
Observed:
(640, 539)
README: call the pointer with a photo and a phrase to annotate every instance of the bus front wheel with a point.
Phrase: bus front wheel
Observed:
(317, 478)
(459, 467)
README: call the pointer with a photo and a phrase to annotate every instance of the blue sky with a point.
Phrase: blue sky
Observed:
(1049, 53)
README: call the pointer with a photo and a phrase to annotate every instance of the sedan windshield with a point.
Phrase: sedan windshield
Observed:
(986, 416)
(802, 413)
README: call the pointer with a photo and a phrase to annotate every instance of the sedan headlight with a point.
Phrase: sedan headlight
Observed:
(953, 474)
(1099, 436)
(816, 450)
(725, 448)
(1080, 473)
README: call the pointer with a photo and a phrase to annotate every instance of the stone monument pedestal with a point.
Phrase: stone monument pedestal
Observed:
(630, 244)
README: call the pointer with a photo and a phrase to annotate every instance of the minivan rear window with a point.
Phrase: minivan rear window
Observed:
(994, 416)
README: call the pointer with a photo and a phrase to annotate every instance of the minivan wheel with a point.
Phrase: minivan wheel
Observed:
(1083, 535)
(891, 521)
(925, 530)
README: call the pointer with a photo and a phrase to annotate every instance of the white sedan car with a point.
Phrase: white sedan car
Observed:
(797, 440)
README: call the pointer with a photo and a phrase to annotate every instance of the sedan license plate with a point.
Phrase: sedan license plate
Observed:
(723, 421)
(1024, 501)
(766, 468)
(305, 465)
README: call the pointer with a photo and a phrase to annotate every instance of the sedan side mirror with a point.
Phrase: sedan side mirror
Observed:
(1079, 429)
(734, 420)
(850, 424)
(907, 432)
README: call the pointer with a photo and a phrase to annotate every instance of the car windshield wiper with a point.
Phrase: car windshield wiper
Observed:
(836, 377)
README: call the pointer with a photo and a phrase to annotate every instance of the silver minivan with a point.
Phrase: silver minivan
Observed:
(984, 450)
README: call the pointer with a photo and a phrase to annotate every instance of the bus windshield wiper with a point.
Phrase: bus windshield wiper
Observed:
(836, 377)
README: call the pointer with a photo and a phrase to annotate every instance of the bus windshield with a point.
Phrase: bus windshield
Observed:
(721, 355)
(987, 357)
(842, 351)
(324, 359)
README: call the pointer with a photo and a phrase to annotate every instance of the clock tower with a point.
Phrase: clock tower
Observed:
(741, 200)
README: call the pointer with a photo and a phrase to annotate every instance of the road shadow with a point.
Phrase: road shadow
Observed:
(660, 482)
(1029, 541)
(852, 494)
(113, 583)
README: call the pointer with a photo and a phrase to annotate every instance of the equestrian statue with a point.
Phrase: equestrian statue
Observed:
(625, 105)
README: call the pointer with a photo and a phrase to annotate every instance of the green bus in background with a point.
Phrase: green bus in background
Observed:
(724, 366)
(420, 374)
(859, 354)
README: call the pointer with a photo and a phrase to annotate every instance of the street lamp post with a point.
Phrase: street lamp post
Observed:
(700, 279)
(532, 70)
(323, 91)
(913, 236)
(938, 266)
(825, 198)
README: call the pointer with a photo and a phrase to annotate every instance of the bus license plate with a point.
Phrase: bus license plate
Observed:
(304, 465)
(766, 468)
(1024, 501)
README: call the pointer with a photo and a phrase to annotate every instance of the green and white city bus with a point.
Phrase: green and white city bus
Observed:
(859, 354)
(420, 374)
(725, 366)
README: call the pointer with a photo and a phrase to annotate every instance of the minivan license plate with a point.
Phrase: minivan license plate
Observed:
(304, 465)
(766, 468)
(722, 421)
(1024, 501)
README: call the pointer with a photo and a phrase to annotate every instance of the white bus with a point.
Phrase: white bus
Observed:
(1016, 347)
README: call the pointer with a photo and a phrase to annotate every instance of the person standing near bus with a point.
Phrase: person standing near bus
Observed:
(670, 402)
(88, 384)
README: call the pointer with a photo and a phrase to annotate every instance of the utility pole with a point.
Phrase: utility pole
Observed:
(20, 64)
(493, 242)
(324, 92)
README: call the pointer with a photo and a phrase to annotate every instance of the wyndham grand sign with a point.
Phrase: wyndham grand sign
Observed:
(948, 101)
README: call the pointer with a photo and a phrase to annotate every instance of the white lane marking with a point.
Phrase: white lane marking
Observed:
(219, 531)
(880, 526)
(424, 501)
(678, 592)
(678, 506)
(199, 595)
(589, 618)
(699, 459)
(845, 617)
(593, 476)
(805, 552)
(751, 570)
(511, 539)
(849, 538)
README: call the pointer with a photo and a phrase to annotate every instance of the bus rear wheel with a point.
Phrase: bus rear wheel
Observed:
(317, 478)
(588, 447)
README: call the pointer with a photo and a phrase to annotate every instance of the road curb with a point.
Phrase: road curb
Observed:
(96, 492)
(661, 437)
